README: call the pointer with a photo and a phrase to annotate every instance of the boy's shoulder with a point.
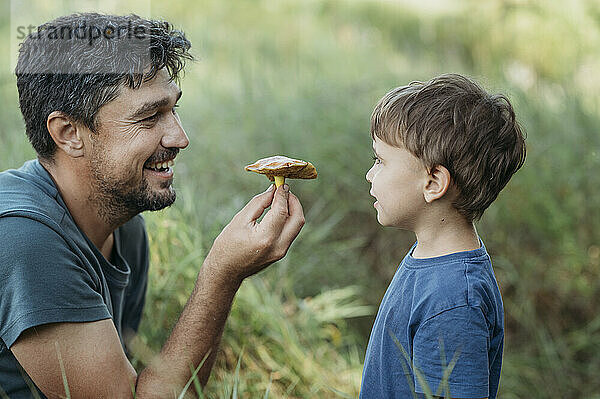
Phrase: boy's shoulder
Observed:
(435, 285)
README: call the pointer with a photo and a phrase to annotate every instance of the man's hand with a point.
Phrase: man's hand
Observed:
(245, 247)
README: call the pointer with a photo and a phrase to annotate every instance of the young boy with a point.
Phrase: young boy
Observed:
(443, 151)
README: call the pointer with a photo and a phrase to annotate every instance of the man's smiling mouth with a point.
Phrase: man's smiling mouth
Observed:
(162, 161)
(160, 166)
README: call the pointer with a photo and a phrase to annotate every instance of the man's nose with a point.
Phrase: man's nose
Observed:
(175, 136)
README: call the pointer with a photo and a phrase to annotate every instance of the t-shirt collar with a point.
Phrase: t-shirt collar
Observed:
(456, 256)
(34, 167)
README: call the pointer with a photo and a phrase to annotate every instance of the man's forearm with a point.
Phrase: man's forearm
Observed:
(196, 334)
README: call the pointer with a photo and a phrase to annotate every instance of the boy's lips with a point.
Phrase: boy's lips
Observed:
(373, 195)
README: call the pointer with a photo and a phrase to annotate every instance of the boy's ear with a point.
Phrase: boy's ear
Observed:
(66, 134)
(437, 183)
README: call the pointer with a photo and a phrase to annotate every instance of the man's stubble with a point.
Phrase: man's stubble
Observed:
(119, 198)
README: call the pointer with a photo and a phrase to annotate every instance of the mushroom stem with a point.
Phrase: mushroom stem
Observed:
(279, 181)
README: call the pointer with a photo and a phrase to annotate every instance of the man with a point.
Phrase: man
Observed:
(99, 109)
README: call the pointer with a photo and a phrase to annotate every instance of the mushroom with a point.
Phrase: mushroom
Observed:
(278, 167)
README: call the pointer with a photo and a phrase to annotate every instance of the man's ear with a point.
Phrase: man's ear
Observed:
(66, 134)
(437, 184)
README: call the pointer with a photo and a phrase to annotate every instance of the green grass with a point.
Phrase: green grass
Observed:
(300, 78)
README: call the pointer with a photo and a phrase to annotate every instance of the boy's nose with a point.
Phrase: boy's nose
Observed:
(368, 175)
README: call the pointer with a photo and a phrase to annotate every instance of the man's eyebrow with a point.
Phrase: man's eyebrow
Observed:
(146, 108)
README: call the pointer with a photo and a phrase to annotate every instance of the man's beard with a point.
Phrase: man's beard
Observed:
(118, 199)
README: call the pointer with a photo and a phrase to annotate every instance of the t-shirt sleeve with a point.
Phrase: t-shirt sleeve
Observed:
(456, 342)
(42, 280)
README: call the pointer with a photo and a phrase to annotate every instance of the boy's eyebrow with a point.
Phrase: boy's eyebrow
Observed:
(144, 109)
(375, 152)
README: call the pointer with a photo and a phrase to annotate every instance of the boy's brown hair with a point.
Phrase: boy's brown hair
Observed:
(451, 121)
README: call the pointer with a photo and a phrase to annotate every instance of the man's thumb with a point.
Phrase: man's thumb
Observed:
(280, 201)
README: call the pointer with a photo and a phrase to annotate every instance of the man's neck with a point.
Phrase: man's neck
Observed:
(84, 212)
(445, 235)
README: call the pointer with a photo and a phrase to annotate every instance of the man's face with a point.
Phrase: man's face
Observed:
(139, 134)
(397, 180)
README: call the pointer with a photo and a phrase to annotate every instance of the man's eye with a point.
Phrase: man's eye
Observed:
(157, 115)
(151, 118)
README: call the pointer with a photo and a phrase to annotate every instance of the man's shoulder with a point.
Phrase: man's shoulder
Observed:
(26, 243)
(28, 192)
(30, 173)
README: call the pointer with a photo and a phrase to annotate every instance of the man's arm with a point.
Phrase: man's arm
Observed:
(94, 361)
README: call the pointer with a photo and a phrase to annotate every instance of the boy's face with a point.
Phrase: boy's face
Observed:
(397, 181)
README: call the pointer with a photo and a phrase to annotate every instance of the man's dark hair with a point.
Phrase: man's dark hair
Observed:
(451, 121)
(78, 63)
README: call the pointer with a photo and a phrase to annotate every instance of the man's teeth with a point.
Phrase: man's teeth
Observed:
(161, 165)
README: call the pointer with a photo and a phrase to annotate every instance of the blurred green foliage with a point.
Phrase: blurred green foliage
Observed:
(301, 78)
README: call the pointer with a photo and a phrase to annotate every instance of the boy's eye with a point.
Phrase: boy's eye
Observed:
(376, 159)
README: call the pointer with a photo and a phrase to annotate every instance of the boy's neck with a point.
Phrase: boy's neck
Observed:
(447, 235)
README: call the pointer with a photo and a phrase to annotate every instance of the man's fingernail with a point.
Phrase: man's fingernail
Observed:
(270, 188)
(286, 187)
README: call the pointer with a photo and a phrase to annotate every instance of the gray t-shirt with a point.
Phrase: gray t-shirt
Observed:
(51, 272)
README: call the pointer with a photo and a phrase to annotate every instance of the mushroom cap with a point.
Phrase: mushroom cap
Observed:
(279, 165)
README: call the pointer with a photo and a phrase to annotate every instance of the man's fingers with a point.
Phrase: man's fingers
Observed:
(258, 204)
(280, 201)
(294, 223)
(275, 218)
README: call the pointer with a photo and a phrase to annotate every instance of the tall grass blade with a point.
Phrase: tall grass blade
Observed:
(444, 383)
(417, 373)
(340, 393)
(187, 385)
(30, 384)
(268, 387)
(3, 394)
(62, 370)
(198, 386)
(448, 371)
(236, 376)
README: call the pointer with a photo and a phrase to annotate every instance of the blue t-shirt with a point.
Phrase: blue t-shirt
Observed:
(51, 272)
(437, 312)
